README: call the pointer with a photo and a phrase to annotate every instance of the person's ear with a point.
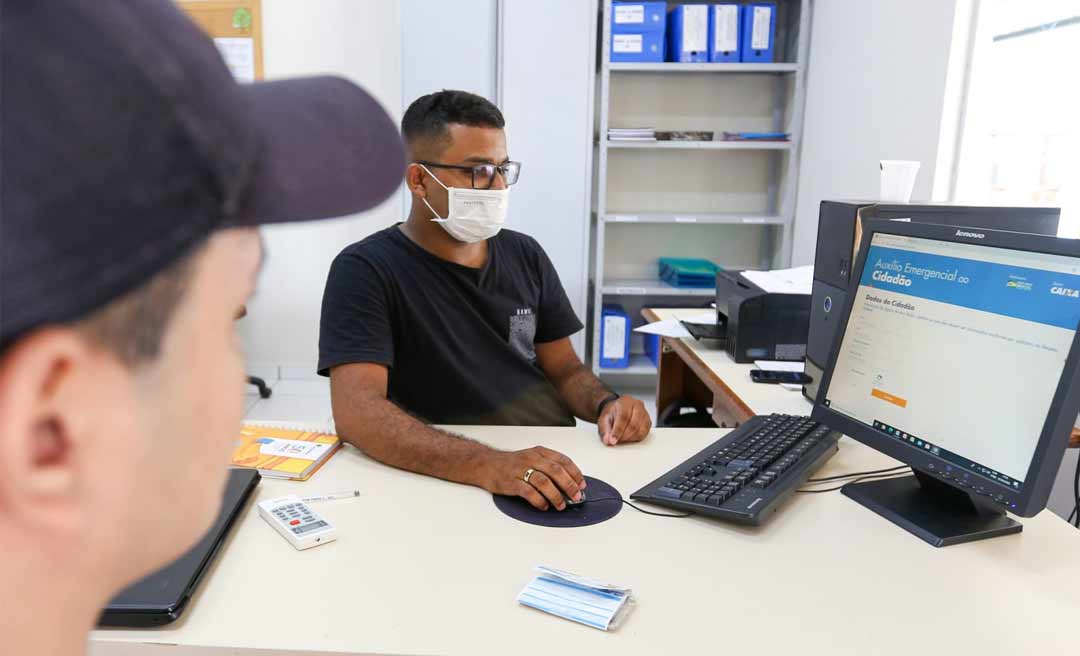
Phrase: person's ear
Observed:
(414, 179)
(39, 477)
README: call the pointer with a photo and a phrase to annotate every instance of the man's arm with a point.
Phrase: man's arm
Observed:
(622, 420)
(367, 420)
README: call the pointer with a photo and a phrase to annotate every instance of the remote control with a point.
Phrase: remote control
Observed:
(297, 522)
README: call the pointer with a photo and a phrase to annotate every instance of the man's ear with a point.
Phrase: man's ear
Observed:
(414, 180)
(39, 482)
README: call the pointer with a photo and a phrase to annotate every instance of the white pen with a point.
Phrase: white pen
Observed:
(347, 494)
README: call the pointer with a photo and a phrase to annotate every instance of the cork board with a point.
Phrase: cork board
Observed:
(236, 28)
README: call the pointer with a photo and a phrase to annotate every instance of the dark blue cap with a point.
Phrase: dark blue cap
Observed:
(125, 141)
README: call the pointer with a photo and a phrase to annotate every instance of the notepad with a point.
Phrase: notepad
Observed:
(577, 598)
(282, 450)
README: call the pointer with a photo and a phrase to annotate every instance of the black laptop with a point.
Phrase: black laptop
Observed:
(161, 597)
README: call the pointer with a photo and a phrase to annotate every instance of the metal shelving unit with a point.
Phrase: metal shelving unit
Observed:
(675, 67)
(691, 217)
(647, 287)
(760, 237)
(702, 145)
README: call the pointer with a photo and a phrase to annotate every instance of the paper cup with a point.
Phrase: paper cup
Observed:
(898, 179)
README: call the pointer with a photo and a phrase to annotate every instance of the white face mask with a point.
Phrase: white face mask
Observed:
(473, 214)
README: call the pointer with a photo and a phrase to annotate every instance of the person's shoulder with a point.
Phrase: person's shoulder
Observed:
(374, 245)
(373, 255)
(519, 241)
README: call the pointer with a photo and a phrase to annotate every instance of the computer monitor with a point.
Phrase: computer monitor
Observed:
(957, 354)
(840, 233)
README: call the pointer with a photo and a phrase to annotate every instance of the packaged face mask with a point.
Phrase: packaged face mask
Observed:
(577, 598)
(473, 214)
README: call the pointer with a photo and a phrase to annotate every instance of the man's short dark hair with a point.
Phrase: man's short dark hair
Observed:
(428, 117)
(134, 326)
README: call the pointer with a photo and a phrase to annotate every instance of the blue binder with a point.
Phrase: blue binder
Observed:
(688, 34)
(640, 47)
(725, 27)
(758, 32)
(652, 348)
(614, 337)
(638, 17)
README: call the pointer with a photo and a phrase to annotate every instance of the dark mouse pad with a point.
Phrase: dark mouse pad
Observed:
(602, 502)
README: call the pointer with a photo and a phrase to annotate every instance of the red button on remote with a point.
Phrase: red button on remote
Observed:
(294, 522)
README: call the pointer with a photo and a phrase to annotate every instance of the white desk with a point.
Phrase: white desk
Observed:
(689, 369)
(428, 567)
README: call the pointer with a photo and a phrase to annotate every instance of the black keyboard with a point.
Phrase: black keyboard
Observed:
(747, 474)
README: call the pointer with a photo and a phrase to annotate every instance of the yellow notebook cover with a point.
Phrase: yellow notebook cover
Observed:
(281, 451)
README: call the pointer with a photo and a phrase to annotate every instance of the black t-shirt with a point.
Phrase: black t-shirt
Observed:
(458, 341)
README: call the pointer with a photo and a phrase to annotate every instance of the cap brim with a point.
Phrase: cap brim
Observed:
(328, 149)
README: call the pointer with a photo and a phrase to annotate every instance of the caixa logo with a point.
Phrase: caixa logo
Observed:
(897, 279)
(1065, 291)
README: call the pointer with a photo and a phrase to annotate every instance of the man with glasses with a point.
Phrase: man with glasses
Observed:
(449, 319)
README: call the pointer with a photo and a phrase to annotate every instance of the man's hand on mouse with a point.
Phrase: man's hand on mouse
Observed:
(550, 474)
(623, 421)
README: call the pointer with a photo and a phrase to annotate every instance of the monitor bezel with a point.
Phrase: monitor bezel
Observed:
(1065, 404)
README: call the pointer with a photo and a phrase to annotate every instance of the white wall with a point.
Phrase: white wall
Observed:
(546, 73)
(360, 40)
(875, 90)
(447, 45)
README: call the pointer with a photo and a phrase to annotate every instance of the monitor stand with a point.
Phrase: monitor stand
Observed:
(932, 510)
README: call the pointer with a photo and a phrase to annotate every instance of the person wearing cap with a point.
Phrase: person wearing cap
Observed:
(133, 171)
(448, 318)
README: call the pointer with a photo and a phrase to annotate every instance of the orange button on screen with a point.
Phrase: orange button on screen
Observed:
(890, 398)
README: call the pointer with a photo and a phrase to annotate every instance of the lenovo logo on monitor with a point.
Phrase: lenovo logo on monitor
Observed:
(973, 235)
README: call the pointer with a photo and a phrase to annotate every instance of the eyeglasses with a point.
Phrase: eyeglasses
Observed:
(483, 175)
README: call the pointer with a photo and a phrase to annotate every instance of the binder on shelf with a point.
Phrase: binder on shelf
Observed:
(688, 272)
(688, 34)
(726, 26)
(614, 337)
(641, 47)
(758, 32)
(638, 17)
(652, 348)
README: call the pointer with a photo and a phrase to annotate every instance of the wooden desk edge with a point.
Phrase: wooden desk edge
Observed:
(701, 370)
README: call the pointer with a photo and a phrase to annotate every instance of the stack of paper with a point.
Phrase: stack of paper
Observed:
(799, 280)
(631, 134)
(674, 327)
(580, 599)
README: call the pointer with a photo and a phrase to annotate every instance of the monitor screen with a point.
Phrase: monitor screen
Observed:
(957, 349)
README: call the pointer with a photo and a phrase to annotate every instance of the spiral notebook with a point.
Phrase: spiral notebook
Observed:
(283, 450)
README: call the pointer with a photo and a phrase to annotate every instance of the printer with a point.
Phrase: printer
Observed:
(758, 324)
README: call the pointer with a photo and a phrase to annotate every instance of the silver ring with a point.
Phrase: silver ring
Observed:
(528, 473)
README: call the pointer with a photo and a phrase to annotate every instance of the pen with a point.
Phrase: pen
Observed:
(347, 494)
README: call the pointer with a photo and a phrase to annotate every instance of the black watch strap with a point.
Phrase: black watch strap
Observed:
(607, 399)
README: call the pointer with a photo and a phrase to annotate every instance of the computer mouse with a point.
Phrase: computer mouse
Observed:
(571, 502)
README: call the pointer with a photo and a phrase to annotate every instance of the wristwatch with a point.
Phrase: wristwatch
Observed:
(608, 399)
